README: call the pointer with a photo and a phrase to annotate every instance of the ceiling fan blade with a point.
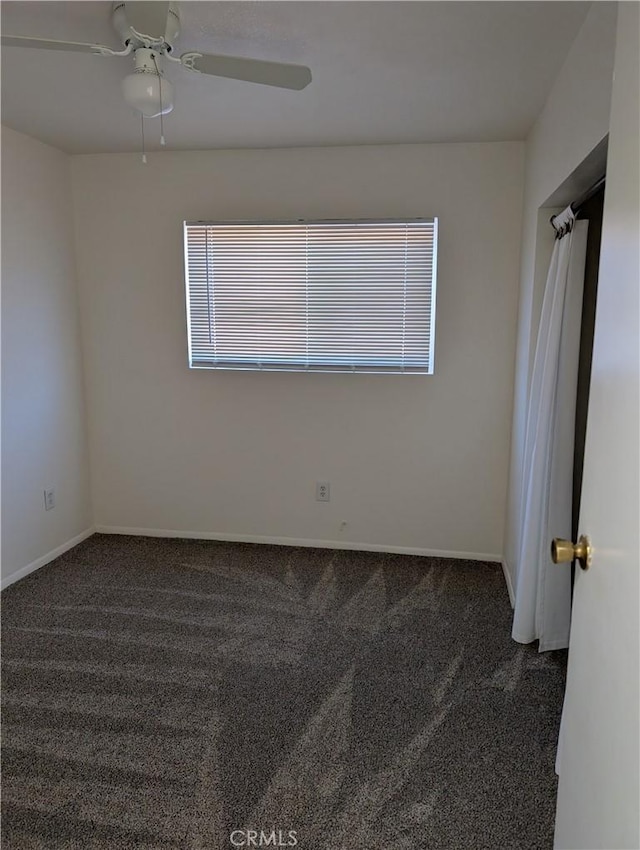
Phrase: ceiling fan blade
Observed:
(148, 17)
(280, 74)
(49, 44)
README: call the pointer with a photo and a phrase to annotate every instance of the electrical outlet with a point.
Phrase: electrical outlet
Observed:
(323, 492)
(49, 499)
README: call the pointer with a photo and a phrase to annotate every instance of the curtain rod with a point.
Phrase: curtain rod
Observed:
(591, 191)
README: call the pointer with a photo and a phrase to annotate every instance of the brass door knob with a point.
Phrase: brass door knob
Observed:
(564, 551)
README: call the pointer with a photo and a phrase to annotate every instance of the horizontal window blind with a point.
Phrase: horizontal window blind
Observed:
(313, 296)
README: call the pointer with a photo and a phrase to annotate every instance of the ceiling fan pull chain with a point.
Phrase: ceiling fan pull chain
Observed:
(162, 141)
(144, 154)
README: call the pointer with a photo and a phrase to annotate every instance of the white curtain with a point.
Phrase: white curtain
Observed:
(543, 589)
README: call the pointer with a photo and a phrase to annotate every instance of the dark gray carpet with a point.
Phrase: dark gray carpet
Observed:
(163, 693)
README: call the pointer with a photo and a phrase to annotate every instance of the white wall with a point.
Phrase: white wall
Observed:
(417, 462)
(574, 121)
(43, 418)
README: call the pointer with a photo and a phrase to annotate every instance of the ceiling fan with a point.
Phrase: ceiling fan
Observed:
(148, 30)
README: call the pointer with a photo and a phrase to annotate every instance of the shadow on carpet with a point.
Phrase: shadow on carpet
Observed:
(204, 696)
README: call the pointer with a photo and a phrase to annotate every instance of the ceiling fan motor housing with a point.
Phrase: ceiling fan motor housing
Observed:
(146, 24)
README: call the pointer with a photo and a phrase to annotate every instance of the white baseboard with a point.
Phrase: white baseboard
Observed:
(507, 578)
(294, 541)
(256, 538)
(45, 559)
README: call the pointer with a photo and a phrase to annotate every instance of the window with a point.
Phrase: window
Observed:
(324, 296)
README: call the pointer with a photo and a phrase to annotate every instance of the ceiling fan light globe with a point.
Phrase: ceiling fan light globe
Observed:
(142, 91)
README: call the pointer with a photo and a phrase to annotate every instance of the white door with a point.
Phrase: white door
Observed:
(599, 791)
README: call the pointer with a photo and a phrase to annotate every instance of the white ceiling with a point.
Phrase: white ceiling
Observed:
(383, 72)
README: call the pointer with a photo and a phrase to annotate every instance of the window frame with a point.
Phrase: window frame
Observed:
(257, 366)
